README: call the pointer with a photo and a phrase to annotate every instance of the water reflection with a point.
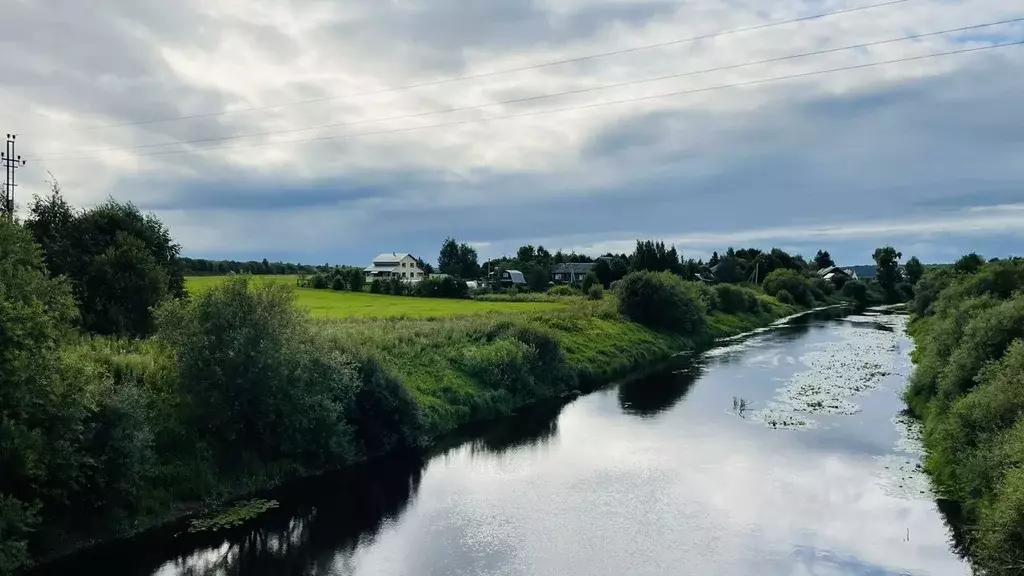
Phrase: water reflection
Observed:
(532, 426)
(653, 394)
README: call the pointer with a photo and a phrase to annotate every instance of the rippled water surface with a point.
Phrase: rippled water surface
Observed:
(780, 454)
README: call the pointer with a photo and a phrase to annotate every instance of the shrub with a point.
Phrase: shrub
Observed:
(707, 295)
(356, 280)
(662, 300)
(785, 297)
(320, 281)
(595, 292)
(256, 382)
(734, 299)
(338, 283)
(856, 290)
(445, 287)
(563, 290)
(396, 286)
(590, 280)
(377, 286)
(797, 285)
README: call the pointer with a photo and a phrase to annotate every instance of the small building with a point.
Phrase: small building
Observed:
(395, 264)
(835, 273)
(512, 278)
(571, 272)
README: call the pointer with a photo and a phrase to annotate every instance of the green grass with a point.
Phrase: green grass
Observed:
(332, 304)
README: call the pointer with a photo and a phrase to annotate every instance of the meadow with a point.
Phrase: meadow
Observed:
(344, 304)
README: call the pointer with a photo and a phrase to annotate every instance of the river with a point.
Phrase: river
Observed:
(782, 453)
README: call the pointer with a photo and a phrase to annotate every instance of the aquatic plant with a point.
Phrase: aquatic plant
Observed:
(236, 515)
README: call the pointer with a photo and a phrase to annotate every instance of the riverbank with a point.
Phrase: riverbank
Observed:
(414, 380)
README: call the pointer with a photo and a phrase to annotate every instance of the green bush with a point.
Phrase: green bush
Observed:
(355, 280)
(595, 292)
(589, 280)
(785, 297)
(968, 387)
(856, 290)
(563, 290)
(662, 300)
(735, 299)
(797, 285)
(320, 281)
(445, 287)
(338, 283)
(377, 286)
(707, 295)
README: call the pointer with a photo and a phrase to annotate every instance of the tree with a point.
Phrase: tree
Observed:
(356, 280)
(969, 263)
(120, 262)
(589, 280)
(823, 260)
(526, 254)
(887, 271)
(458, 259)
(914, 270)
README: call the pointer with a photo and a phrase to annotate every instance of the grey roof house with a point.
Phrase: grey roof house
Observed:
(570, 272)
(512, 277)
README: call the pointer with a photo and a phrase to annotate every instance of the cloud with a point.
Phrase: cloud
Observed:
(905, 143)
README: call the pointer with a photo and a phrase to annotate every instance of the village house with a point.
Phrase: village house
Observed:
(511, 278)
(571, 272)
(395, 264)
(835, 273)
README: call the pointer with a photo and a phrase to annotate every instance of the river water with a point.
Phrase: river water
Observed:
(779, 454)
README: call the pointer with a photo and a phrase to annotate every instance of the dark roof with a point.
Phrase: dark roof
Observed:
(516, 276)
(573, 267)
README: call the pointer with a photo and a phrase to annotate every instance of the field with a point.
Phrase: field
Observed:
(331, 304)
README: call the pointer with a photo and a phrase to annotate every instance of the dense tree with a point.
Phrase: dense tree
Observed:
(823, 260)
(914, 270)
(205, 267)
(652, 256)
(887, 271)
(969, 263)
(458, 259)
(121, 263)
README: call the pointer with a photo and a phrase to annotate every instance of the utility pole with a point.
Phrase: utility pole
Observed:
(11, 163)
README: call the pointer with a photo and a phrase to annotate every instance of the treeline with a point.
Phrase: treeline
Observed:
(968, 389)
(205, 267)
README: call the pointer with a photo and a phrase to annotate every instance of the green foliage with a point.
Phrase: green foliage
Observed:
(257, 382)
(969, 263)
(444, 287)
(591, 280)
(236, 515)
(887, 272)
(355, 279)
(796, 284)
(785, 297)
(857, 290)
(458, 259)
(969, 389)
(121, 263)
(377, 286)
(914, 270)
(563, 290)
(338, 283)
(736, 300)
(823, 260)
(662, 301)
(595, 292)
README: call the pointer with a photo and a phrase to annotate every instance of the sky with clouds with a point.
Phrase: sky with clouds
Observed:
(927, 154)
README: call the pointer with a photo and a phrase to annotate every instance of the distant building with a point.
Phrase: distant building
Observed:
(395, 264)
(512, 278)
(571, 272)
(835, 273)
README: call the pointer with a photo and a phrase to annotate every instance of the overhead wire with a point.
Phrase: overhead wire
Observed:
(500, 71)
(578, 107)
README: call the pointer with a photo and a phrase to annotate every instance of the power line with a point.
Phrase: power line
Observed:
(502, 71)
(585, 106)
(57, 155)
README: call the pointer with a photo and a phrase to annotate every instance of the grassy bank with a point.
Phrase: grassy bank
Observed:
(968, 388)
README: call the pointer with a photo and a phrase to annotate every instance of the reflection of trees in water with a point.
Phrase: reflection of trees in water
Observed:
(533, 425)
(656, 393)
(316, 530)
(959, 536)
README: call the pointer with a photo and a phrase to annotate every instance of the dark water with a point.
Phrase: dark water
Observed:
(657, 476)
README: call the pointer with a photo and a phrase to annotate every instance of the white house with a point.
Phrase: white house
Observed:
(400, 264)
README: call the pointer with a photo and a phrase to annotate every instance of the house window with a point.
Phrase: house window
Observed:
(403, 264)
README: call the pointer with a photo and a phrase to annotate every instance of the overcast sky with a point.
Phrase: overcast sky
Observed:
(926, 154)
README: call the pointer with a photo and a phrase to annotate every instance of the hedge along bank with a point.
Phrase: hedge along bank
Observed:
(239, 390)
